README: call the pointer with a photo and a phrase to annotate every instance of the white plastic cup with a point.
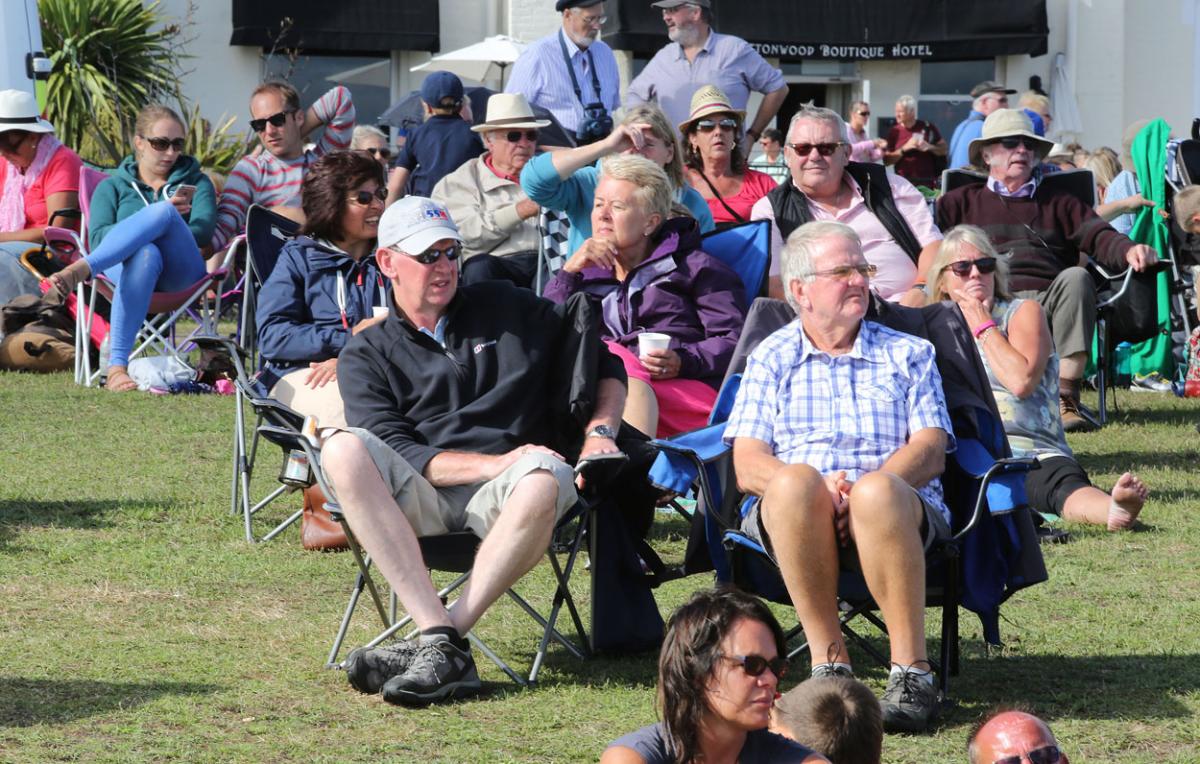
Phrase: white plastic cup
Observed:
(648, 341)
(380, 311)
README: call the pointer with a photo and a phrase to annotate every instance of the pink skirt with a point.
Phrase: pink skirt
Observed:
(683, 404)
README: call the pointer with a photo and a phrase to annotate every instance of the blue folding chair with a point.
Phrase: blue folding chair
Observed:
(746, 248)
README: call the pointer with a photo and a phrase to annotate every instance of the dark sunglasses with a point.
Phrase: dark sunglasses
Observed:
(1012, 143)
(824, 149)
(755, 665)
(162, 144)
(1046, 755)
(11, 141)
(382, 152)
(430, 256)
(864, 114)
(363, 198)
(276, 120)
(515, 136)
(963, 267)
(708, 125)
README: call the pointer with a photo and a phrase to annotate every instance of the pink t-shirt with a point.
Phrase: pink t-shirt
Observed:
(755, 186)
(61, 174)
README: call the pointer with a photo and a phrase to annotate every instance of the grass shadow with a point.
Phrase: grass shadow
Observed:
(83, 514)
(29, 702)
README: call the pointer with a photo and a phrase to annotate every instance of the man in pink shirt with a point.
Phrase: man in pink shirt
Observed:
(888, 213)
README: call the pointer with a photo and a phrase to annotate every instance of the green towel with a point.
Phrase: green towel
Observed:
(1149, 161)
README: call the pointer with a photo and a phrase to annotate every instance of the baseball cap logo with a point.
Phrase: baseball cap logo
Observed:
(436, 213)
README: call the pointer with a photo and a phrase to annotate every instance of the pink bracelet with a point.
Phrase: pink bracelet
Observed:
(979, 330)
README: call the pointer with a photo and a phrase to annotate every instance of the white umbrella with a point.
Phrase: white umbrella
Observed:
(478, 62)
(1068, 125)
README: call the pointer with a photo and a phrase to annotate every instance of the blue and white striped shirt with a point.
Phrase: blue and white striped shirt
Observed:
(841, 412)
(540, 74)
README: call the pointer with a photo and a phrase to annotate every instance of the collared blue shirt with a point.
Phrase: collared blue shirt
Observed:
(725, 61)
(842, 412)
(540, 74)
(1024, 191)
(438, 334)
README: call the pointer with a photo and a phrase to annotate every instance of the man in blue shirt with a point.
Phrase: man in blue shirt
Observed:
(440, 145)
(989, 96)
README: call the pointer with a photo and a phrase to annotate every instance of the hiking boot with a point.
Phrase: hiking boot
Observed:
(831, 669)
(369, 668)
(438, 671)
(1072, 420)
(909, 703)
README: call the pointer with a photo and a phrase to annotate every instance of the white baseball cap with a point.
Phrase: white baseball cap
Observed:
(414, 224)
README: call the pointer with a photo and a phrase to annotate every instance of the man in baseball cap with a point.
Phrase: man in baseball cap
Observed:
(988, 96)
(450, 404)
(440, 144)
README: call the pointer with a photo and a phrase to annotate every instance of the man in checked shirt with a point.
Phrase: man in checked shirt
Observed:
(840, 426)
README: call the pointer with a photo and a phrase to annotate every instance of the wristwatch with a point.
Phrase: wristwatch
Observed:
(602, 431)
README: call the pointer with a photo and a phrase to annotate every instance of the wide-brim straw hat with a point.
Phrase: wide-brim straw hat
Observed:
(509, 111)
(19, 111)
(1007, 123)
(709, 99)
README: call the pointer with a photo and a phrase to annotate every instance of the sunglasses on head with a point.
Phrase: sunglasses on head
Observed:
(515, 136)
(1045, 755)
(755, 665)
(162, 144)
(824, 149)
(963, 267)
(708, 125)
(277, 120)
(1012, 143)
(383, 152)
(430, 256)
(363, 198)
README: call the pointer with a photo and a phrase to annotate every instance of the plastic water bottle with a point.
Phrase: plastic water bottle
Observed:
(104, 353)
(1123, 376)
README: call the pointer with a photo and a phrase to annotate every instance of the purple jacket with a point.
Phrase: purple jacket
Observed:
(677, 290)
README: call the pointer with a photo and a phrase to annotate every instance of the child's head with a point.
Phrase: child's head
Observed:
(442, 93)
(834, 715)
(1187, 209)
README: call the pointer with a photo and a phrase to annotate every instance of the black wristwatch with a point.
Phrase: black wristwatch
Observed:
(602, 431)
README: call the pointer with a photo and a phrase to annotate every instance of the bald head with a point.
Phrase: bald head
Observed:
(1013, 734)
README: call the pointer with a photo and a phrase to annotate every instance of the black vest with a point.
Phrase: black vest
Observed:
(790, 206)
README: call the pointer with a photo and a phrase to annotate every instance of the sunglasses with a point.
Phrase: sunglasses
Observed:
(1012, 143)
(11, 141)
(276, 120)
(430, 256)
(162, 144)
(515, 136)
(963, 267)
(383, 152)
(755, 665)
(1046, 755)
(364, 198)
(864, 114)
(708, 125)
(824, 149)
(846, 272)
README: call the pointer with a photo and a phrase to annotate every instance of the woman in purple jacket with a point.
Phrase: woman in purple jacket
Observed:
(649, 275)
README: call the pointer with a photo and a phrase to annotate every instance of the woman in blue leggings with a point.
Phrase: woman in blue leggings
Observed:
(147, 225)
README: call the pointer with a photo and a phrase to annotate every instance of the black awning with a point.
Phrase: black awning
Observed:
(348, 26)
(852, 30)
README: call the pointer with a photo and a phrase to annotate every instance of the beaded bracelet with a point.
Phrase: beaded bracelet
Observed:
(979, 330)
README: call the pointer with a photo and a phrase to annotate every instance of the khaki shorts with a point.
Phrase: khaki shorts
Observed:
(325, 403)
(437, 511)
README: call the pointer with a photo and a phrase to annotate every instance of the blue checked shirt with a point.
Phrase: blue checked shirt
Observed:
(540, 74)
(846, 412)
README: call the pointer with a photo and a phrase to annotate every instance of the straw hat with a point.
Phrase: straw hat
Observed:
(19, 111)
(1006, 123)
(709, 99)
(509, 111)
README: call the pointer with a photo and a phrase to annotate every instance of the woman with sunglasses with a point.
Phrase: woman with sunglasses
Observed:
(718, 678)
(716, 162)
(325, 286)
(149, 227)
(1013, 338)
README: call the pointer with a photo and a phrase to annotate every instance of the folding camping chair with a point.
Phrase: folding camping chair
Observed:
(984, 488)
(266, 233)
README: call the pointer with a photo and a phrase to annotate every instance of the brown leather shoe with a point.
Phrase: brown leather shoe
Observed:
(1073, 421)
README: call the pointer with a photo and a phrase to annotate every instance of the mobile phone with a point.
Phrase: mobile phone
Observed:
(184, 193)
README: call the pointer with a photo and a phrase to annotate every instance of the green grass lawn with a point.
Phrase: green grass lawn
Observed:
(138, 625)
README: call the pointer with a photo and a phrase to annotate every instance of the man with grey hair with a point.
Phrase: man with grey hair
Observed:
(840, 428)
(989, 96)
(887, 212)
(914, 145)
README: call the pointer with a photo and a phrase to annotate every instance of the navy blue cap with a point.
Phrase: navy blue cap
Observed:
(439, 86)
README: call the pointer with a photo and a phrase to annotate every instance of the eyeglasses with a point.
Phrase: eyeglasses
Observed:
(383, 152)
(11, 140)
(364, 198)
(162, 144)
(1045, 755)
(846, 272)
(1013, 142)
(864, 113)
(755, 665)
(515, 136)
(430, 256)
(593, 21)
(276, 120)
(963, 267)
(824, 149)
(708, 125)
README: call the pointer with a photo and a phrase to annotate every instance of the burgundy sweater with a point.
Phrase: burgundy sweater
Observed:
(1044, 234)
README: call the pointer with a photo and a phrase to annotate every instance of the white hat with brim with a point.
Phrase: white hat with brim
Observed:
(509, 111)
(1007, 123)
(19, 111)
(709, 99)
(414, 224)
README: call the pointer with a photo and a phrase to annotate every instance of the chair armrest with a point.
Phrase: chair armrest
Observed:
(294, 440)
(1001, 467)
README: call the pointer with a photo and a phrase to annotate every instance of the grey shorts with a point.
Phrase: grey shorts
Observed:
(437, 511)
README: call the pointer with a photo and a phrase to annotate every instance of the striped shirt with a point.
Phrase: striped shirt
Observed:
(265, 179)
(540, 74)
(841, 412)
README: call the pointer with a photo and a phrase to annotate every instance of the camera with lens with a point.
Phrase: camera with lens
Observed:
(596, 125)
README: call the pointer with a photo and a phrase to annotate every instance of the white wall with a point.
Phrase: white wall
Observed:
(218, 76)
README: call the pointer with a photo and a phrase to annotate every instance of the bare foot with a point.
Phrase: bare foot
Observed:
(1128, 495)
(119, 381)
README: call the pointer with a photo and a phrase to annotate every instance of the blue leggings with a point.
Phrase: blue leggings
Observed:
(151, 250)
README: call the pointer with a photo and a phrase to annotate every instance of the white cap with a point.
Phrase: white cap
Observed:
(414, 224)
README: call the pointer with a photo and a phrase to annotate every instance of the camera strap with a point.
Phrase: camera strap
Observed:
(562, 44)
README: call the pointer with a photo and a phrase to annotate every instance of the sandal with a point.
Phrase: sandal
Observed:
(118, 380)
(70, 277)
